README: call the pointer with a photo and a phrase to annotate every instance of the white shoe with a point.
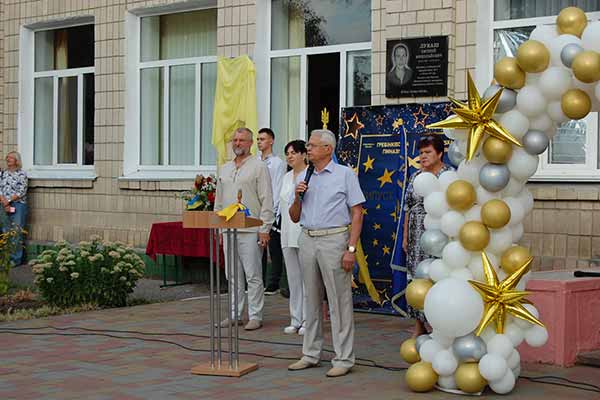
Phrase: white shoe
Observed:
(301, 331)
(290, 330)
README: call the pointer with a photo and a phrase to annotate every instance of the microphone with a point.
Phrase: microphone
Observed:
(309, 172)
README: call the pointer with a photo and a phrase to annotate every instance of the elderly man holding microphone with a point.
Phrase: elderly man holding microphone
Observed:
(328, 204)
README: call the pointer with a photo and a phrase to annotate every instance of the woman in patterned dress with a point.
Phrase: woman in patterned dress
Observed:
(431, 151)
(13, 196)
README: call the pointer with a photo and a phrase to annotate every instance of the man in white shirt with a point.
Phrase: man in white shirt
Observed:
(277, 169)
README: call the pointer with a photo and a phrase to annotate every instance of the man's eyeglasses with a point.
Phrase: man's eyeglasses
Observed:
(310, 145)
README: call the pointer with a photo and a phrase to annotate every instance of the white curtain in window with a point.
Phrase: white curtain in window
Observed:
(43, 121)
(285, 100)
(182, 91)
(516, 9)
(44, 50)
(209, 81)
(151, 116)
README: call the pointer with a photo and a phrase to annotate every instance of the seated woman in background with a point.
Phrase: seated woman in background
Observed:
(13, 196)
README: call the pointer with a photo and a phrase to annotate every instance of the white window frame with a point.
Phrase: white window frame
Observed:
(486, 25)
(264, 90)
(25, 120)
(132, 167)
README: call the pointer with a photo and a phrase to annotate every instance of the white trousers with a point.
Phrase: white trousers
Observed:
(321, 259)
(295, 281)
(250, 267)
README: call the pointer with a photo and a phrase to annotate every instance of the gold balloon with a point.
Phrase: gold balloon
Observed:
(460, 195)
(586, 66)
(533, 56)
(468, 378)
(474, 236)
(495, 214)
(576, 103)
(571, 20)
(416, 292)
(497, 151)
(421, 377)
(513, 258)
(508, 73)
(408, 351)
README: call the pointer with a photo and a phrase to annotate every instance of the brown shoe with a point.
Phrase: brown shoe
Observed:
(300, 365)
(337, 371)
(253, 324)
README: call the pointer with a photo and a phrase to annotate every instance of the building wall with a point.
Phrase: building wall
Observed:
(563, 230)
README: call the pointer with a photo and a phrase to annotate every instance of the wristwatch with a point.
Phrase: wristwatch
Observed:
(351, 249)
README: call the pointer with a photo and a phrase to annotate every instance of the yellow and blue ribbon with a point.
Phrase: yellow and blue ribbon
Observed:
(229, 211)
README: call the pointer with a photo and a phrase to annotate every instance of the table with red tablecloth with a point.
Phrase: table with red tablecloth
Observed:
(171, 238)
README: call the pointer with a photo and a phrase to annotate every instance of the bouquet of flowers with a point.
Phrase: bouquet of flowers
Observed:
(202, 196)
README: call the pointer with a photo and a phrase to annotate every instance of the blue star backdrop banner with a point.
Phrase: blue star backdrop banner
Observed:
(380, 144)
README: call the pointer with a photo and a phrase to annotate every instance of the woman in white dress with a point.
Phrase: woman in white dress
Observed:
(295, 153)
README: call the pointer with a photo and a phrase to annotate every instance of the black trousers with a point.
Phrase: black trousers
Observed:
(274, 277)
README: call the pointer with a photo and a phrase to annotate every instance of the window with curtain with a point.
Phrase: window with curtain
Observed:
(63, 115)
(574, 148)
(177, 88)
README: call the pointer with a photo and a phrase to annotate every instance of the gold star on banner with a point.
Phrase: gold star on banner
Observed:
(364, 211)
(420, 118)
(375, 242)
(414, 162)
(376, 226)
(378, 207)
(386, 250)
(476, 116)
(369, 163)
(501, 297)
(379, 119)
(393, 215)
(400, 183)
(398, 123)
(352, 126)
(386, 177)
(394, 236)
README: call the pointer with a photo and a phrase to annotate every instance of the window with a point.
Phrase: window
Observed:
(57, 122)
(318, 50)
(573, 152)
(172, 94)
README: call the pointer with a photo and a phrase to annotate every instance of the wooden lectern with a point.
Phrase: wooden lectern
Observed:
(210, 220)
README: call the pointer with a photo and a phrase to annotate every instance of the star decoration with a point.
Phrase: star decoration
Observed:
(379, 120)
(386, 177)
(398, 123)
(378, 207)
(364, 211)
(420, 117)
(369, 163)
(501, 298)
(476, 116)
(394, 236)
(386, 250)
(352, 126)
(375, 242)
(376, 226)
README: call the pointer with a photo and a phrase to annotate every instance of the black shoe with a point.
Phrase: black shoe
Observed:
(285, 293)
(271, 291)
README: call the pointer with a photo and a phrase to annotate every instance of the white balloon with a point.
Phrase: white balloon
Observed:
(516, 123)
(444, 341)
(514, 333)
(522, 165)
(556, 113)
(517, 213)
(532, 78)
(446, 382)
(483, 195)
(449, 132)
(492, 367)
(473, 214)
(463, 274)
(469, 171)
(521, 323)
(558, 44)
(435, 204)
(453, 307)
(425, 183)
(517, 371)
(523, 282)
(514, 360)
(476, 268)
(500, 240)
(590, 39)
(536, 336)
(545, 34)
(455, 256)
(517, 232)
(446, 178)
(513, 188)
(501, 345)
(459, 134)
(451, 223)
(438, 270)
(554, 82)
(530, 101)
(526, 199)
(431, 222)
(429, 349)
(542, 123)
(444, 363)
(501, 274)
(488, 334)
(505, 384)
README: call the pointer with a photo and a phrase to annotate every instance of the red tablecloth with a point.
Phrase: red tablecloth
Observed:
(171, 238)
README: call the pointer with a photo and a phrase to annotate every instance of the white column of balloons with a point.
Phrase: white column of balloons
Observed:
(479, 209)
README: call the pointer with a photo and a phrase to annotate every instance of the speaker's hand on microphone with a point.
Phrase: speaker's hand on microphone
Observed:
(301, 188)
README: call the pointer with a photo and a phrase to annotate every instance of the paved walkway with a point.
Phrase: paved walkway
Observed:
(96, 367)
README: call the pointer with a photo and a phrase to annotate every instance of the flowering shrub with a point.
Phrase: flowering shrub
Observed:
(202, 196)
(102, 273)
(7, 246)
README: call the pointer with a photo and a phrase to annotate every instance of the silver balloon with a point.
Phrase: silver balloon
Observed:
(535, 142)
(469, 348)
(454, 154)
(422, 270)
(420, 340)
(569, 52)
(494, 177)
(508, 98)
(433, 241)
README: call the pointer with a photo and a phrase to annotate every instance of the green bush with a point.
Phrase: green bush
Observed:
(8, 244)
(96, 272)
